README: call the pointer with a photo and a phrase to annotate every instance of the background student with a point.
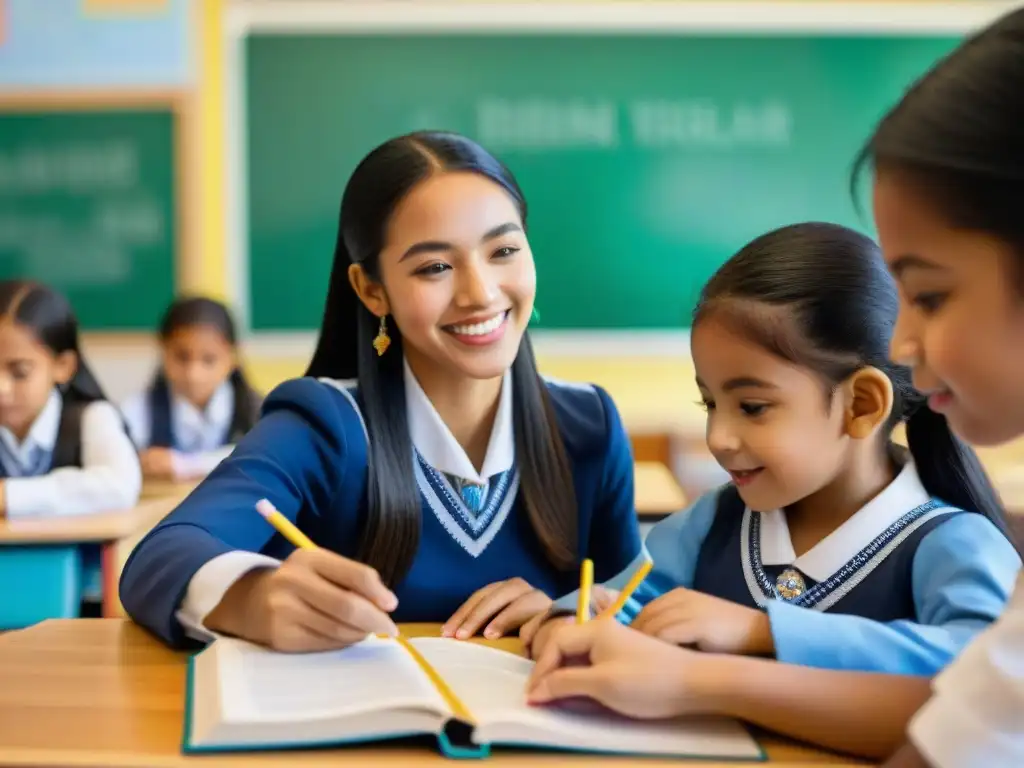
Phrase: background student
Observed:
(199, 404)
(63, 448)
(453, 484)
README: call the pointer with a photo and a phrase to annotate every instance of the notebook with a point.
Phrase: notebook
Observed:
(471, 697)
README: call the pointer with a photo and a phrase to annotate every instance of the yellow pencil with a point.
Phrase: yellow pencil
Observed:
(586, 583)
(283, 525)
(627, 591)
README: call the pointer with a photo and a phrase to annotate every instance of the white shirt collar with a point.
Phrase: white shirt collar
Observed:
(204, 429)
(42, 435)
(833, 552)
(441, 450)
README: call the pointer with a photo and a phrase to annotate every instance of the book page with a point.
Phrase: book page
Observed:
(260, 685)
(492, 685)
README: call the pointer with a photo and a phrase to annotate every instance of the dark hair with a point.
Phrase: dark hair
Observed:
(820, 296)
(50, 317)
(956, 135)
(344, 351)
(191, 311)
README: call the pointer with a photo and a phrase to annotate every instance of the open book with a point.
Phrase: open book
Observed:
(245, 697)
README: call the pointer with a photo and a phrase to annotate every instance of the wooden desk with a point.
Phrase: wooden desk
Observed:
(101, 692)
(657, 492)
(106, 529)
(158, 489)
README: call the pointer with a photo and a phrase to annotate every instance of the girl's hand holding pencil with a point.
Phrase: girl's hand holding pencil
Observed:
(315, 600)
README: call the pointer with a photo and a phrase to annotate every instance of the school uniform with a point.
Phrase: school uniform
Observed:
(75, 459)
(976, 714)
(308, 455)
(900, 587)
(198, 438)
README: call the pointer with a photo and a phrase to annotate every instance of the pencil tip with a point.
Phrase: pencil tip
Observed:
(264, 507)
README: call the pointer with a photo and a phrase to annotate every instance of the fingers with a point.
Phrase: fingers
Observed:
(540, 638)
(522, 609)
(347, 609)
(569, 641)
(348, 574)
(299, 628)
(601, 599)
(670, 601)
(673, 625)
(455, 622)
(571, 682)
(489, 605)
(529, 630)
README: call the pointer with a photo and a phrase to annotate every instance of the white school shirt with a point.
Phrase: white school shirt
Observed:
(435, 443)
(199, 432)
(975, 718)
(109, 478)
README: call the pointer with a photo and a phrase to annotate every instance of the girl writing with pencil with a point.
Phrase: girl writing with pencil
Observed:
(450, 484)
(948, 184)
(832, 546)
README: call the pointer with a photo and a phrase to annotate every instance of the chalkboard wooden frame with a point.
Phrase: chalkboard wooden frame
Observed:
(179, 102)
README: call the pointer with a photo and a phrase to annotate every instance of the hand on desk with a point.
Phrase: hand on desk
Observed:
(157, 463)
(536, 631)
(626, 671)
(686, 617)
(502, 606)
(315, 600)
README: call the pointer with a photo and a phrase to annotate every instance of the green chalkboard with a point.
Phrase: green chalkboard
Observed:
(646, 160)
(87, 205)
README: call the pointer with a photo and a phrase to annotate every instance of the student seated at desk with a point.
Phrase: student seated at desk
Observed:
(831, 547)
(199, 404)
(450, 484)
(63, 448)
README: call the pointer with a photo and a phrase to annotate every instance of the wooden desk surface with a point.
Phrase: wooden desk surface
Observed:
(101, 692)
(158, 489)
(657, 492)
(104, 526)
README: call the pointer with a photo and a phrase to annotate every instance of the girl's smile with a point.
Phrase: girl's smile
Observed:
(481, 330)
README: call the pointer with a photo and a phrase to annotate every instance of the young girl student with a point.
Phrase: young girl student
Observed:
(63, 447)
(199, 403)
(451, 484)
(830, 547)
(947, 199)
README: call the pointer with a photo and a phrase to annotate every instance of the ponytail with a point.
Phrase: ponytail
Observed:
(83, 387)
(949, 469)
(247, 406)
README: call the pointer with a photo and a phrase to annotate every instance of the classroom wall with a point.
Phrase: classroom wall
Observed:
(99, 47)
(65, 44)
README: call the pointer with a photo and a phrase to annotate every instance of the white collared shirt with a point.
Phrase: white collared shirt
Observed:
(108, 479)
(830, 554)
(975, 717)
(199, 431)
(435, 443)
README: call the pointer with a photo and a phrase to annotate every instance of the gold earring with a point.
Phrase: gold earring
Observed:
(382, 341)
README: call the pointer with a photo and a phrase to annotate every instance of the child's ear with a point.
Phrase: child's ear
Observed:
(371, 293)
(867, 402)
(65, 367)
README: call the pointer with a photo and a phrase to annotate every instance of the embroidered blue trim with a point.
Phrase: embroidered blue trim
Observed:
(474, 525)
(822, 589)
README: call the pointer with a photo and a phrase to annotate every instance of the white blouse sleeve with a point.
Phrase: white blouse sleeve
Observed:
(110, 477)
(976, 715)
